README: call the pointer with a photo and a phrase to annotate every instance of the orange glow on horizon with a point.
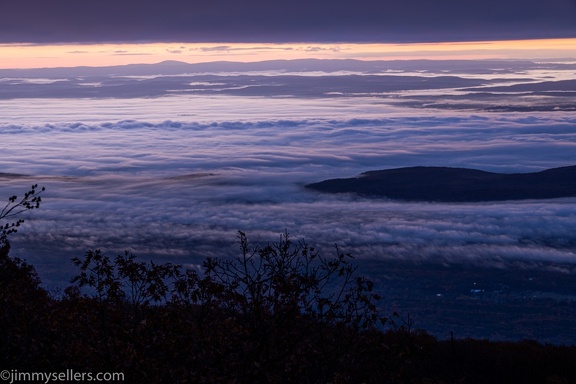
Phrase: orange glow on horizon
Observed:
(68, 55)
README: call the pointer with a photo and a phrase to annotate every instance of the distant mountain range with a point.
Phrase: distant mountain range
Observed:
(171, 67)
(443, 184)
(480, 85)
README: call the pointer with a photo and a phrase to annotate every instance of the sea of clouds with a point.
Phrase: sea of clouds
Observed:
(173, 178)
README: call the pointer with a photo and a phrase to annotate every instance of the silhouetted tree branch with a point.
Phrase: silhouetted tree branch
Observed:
(14, 207)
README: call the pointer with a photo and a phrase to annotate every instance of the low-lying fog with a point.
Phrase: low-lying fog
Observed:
(174, 177)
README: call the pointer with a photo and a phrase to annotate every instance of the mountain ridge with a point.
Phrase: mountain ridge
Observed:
(172, 67)
(446, 184)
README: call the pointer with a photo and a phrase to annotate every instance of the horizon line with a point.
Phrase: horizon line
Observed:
(36, 56)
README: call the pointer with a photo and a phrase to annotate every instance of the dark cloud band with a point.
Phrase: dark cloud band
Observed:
(257, 20)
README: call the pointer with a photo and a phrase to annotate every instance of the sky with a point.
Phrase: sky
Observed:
(59, 21)
(40, 33)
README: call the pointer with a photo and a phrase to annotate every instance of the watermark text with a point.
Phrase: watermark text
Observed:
(11, 376)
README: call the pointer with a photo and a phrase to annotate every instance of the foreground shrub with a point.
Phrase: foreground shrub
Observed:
(276, 312)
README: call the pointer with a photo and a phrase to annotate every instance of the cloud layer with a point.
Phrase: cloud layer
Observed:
(174, 177)
(179, 189)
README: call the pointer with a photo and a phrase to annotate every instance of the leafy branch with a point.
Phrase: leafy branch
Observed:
(14, 207)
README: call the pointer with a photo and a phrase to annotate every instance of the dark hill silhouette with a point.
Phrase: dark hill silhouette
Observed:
(455, 184)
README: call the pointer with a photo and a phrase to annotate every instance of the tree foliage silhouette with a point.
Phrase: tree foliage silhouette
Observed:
(21, 296)
(283, 305)
(14, 207)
